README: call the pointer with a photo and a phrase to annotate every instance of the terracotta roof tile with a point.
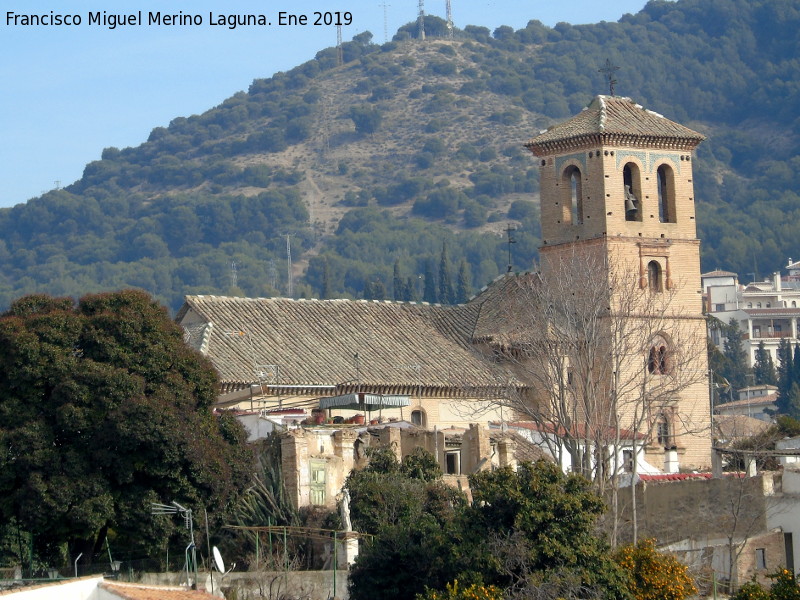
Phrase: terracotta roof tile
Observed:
(315, 342)
(613, 120)
(129, 591)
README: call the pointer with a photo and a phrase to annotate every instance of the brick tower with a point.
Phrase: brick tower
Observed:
(616, 187)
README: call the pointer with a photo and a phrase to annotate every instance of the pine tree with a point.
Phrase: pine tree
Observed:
(733, 349)
(429, 293)
(464, 286)
(764, 369)
(446, 293)
(368, 290)
(378, 290)
(398, 288)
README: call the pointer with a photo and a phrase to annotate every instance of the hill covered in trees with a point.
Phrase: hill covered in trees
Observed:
(366, 169)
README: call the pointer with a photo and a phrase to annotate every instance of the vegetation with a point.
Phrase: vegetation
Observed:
(654, 575)
(784, 587)
(529, 531)
(104, 411)
(431, 130)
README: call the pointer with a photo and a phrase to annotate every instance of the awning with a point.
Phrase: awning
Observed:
(362, 401)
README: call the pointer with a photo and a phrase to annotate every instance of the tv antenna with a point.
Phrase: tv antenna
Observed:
(608, 70)
(421, 21)
(385, 5)
(449, 13)
(188, 521)
(510, 240)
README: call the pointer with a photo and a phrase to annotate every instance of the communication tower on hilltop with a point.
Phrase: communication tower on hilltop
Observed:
(385, 5)
(339, 56)
(234, 275)
(421, 21)
(449, 12)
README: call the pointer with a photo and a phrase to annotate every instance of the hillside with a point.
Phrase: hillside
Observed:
(368, 167)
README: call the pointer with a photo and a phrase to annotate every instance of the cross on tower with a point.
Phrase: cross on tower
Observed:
(509, 233)
(608, 70)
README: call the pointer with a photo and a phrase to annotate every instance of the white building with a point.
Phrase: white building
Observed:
(766, 311)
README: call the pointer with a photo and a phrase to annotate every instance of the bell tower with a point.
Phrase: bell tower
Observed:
(616, 184)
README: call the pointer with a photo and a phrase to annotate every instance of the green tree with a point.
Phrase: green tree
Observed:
(398, 287)
(464, 285)
(736, 369)
(764, 368)
(429, 289)
(446, 293)
(367, 119)
(785, 375)
(104, 409)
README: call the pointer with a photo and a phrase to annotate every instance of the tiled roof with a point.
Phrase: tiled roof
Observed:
(500, 306)
(674, 477)
(140, 592)
(754, 401)
(612, 120)
(334, 342)
(579, 430)
(732, 427)
(719, 273)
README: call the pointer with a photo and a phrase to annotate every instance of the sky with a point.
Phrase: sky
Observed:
(71, 90)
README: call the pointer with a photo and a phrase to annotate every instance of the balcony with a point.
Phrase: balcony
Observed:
(767, 335)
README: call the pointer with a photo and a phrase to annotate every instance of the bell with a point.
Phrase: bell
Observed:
(630, 207)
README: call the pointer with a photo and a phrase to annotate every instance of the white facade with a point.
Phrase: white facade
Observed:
(766, 311)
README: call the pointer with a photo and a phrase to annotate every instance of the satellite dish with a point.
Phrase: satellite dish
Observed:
(218, 560)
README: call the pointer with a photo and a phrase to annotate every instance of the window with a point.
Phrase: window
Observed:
(317, 495)
(719, 307)
(572, 196)
(666, 194)
(418, 418)
(756, 331)
(761, 558)
(663, 432)
(658, 357)
(632, 192)
(654, 276)
(627, 460)
(794, 304)
(769, 305)
(749, 305)
(758, 305)
(452, 460)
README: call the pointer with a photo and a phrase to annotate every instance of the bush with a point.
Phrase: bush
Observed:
(473, 592)
(654, 575)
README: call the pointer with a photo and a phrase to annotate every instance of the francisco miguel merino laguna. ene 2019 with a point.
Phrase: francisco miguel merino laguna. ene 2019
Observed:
(114, 20)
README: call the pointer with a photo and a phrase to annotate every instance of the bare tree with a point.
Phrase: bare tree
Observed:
(609, 353)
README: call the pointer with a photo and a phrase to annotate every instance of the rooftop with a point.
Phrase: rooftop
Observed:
(614, 120)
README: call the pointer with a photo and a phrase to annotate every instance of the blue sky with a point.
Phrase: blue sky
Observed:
(70, 91)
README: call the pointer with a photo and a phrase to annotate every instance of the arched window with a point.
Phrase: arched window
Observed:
(666, 194)
(654, 282)
(794, 304)
(749, 305)
(758, 304)
(632, 197)
(658, 357)
(663, 433)
(572, 196)
(418, 418)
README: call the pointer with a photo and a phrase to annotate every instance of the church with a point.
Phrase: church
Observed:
(619, 247)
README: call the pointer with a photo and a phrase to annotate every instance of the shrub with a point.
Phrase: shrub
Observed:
(473, 592)
(654, 575)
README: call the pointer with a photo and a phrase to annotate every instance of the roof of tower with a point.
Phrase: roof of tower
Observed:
(613, 120)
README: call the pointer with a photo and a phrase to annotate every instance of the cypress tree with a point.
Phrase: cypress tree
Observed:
(446, 293)
(785, 375)
(464, 285)
(409, 291)
(398, 288)
(429, 292)
(764, 368)
(325, 293)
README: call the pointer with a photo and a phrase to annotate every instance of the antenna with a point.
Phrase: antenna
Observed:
(385, 21)
(339, 55)
(608, 70)
(421, 21)
(218, 562)
(511, 240)
(449, 12)
(289, 277)
(234, 274)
